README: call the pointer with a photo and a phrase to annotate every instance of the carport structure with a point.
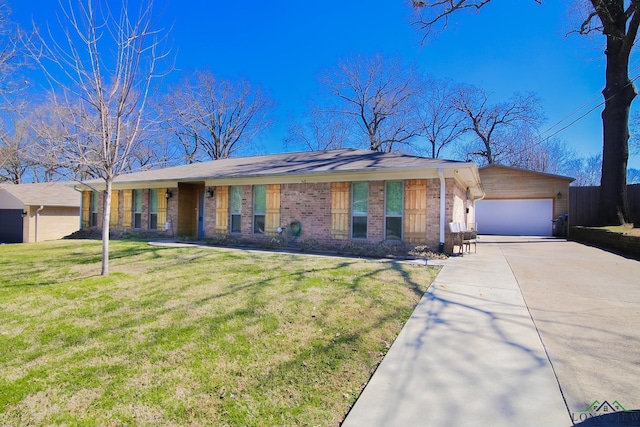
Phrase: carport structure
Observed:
(520, 202)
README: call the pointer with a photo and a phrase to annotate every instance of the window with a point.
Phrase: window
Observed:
(359, 209)
(236, 209)
(259, 208)
(137, 208)
(393, 209)
(93, 219)
(153, 209)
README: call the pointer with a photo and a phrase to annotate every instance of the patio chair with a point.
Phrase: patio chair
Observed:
(469, 236)
(457, 237)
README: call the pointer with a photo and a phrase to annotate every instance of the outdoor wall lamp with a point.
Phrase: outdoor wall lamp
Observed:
(24, 213)
(168, 194)
(559, 195)
(211, 192)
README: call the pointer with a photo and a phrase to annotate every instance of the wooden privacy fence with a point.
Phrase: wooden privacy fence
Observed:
(583, 204)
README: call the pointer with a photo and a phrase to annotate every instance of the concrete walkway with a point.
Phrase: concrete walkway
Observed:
(470, 355)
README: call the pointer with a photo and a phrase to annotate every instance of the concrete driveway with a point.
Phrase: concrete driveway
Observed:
(585, 303)
(528, 332)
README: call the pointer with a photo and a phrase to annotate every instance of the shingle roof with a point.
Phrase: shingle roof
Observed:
(303, 163)
(493, 166)
(44, 194)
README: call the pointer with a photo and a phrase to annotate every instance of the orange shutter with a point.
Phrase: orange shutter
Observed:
(272, 215)
(340, 192)
(86, 208)
(162, 208)
(222, 210)
(415, 210)
(113, 212)
(127, 200)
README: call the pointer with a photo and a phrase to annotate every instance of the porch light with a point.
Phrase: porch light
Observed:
(559, 195)
(168, 194)
(24, 213)
(211, 192)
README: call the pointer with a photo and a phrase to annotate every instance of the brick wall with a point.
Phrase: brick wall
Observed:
(433, 213)
(375, 221)
(309, 203)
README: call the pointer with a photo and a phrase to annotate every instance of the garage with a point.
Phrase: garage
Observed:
(37, 212)
(10, 225)
(515, 217)
(520, 202)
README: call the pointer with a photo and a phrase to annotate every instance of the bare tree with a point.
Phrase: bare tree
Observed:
(12, 59)
(17, 164)
(321, 131)
(378, 95)
(104, 67)
(496, 126)
(214, 118)
(618, 22)
(441, 122)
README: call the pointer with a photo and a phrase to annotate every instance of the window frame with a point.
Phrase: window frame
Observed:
(394, 215)
(153, 214)
(136, 216)
(257, 214)
(359, 214)
(235, 213)
(94, 202)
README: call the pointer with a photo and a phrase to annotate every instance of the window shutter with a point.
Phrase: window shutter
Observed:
(113, 213)
(340, 210)
(222, 210)
(415, 211)
(162, 208)
(86, 207)
(272, 214)
(127, 212)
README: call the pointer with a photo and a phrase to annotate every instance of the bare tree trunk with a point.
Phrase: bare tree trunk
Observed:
(618, 94)
(106, 218)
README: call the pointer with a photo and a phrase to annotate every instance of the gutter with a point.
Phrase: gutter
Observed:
(442, 208)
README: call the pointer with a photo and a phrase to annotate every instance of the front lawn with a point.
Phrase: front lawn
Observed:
(192, 336)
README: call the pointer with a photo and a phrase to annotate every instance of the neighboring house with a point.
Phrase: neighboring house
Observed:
(332, 197)
(520, 202)
(37, 212)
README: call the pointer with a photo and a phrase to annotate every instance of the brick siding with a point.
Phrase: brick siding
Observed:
(310, 204)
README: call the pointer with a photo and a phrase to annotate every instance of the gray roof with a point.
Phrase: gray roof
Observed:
(44, 194)
(302, 163)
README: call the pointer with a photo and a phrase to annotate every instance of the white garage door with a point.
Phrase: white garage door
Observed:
(515, 217)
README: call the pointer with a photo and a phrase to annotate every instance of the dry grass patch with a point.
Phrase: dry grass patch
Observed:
(192, 336)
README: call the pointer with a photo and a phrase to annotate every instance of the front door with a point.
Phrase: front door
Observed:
(201, 214)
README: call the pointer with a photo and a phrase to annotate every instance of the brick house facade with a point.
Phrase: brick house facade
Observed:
(332, 198)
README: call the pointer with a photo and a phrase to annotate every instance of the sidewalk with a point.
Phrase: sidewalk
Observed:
(468, 356)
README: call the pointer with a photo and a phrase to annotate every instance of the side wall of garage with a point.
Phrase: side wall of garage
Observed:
(53, 223)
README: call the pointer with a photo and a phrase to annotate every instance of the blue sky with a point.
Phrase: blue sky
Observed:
(510, 46)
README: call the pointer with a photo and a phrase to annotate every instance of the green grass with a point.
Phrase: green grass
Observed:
(192, 336)
(628, 229)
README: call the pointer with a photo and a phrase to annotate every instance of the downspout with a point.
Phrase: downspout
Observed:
(37, 221)
(443, 195)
